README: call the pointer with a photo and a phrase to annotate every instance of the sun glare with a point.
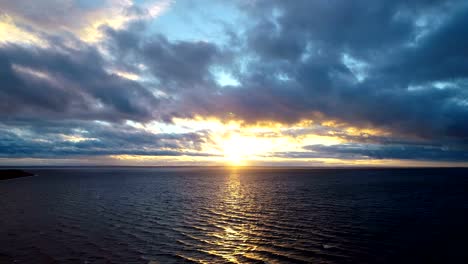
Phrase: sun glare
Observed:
(240, 150)
(236, 150)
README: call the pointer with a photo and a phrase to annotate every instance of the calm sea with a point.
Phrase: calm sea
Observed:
(219, 215)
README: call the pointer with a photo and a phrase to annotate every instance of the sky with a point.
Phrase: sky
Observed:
(238, 82)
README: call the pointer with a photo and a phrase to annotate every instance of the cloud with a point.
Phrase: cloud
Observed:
(399, 67)
(83, 18)
(81, 139)
(393, 151)
(67, 83)
(177, 65)
(297, 69)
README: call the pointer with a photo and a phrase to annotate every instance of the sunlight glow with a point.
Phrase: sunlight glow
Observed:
(235, 143)
(11, 33)
(236, 150)
(240, 150)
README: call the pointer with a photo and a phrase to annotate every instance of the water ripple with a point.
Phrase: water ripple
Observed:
(220, 216)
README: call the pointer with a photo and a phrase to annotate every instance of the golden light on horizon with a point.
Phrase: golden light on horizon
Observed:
(236, 150)
(240, 150)
(235, 143)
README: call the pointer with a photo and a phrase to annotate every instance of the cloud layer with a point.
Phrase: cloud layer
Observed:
(397, 67)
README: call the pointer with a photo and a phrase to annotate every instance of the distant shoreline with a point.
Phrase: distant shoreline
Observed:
(7, 174)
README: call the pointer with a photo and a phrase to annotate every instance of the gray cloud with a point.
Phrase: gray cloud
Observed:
(423, 152)
(306, 41)
(177, 65)
(21, 139)
(68, 83)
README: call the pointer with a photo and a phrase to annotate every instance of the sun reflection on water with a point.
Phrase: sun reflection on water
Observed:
(233, 238)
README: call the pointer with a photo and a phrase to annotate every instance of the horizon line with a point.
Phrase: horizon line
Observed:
(237, 167)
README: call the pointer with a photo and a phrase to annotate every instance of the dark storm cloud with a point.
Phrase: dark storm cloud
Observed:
(71, 83)
(177, 65)
(182, 70)
(408, 48)
(440, 55)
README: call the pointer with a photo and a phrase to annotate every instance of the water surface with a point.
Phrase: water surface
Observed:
(219, 215)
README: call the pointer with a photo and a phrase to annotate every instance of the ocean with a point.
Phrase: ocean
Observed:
(234, 215)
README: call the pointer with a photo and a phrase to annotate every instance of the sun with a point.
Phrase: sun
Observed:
(235, 160)
(240, 150)
(235, 150)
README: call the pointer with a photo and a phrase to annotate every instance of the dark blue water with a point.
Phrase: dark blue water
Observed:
(217, 215)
